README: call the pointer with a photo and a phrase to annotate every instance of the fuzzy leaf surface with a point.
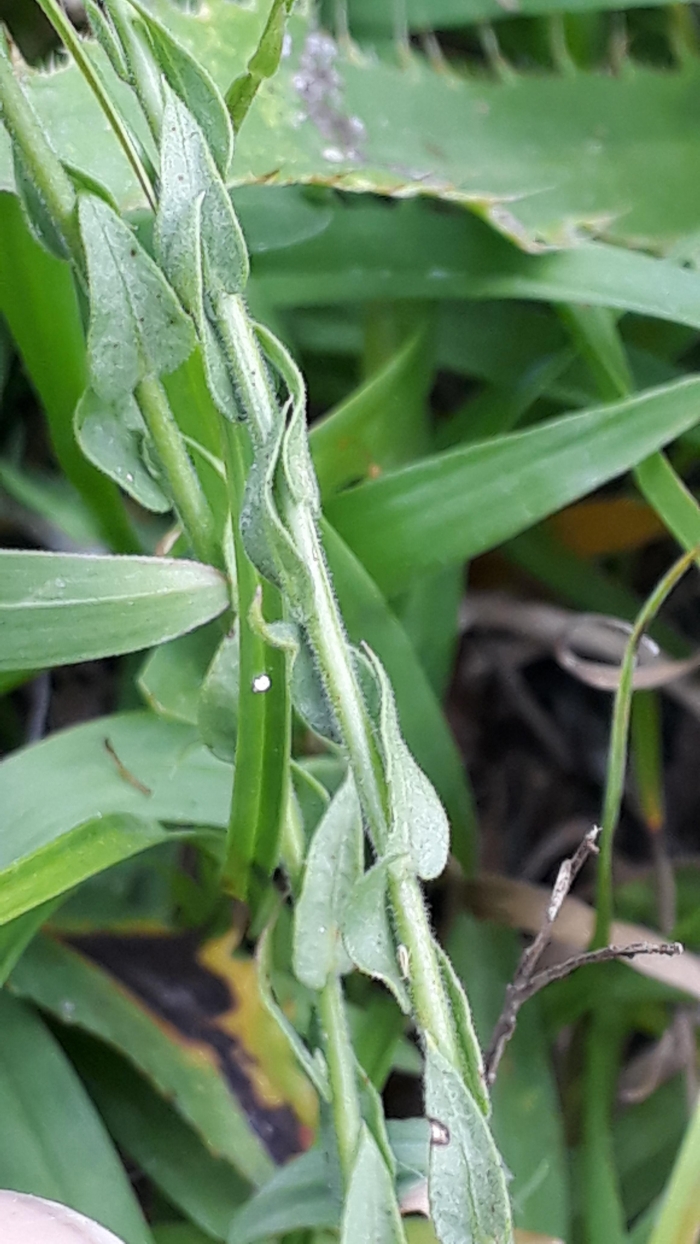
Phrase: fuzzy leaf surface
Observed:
(333, 864)
(137, 326)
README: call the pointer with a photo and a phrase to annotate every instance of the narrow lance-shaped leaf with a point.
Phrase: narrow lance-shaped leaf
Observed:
(453, 505)
(62, 864)
(59, 608)
(193, 84)
(189, 174)
(370, 1213)
(334, 862)
(419, 826)
(468, 1197)
(368, 936)
(137, 326)
(263, 63)
(198, 237)
(54, 1143)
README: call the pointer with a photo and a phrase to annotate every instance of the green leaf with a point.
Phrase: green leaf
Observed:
(38, 300)
(368, 936)
(468, 1197)
(103, 30)
(131, 764)
(58, 608)
(547, 156)
(370, 1213)
(16, 935)
(182, 1070)
(53, 1143)
(313, 1064)
(274, 219)
(300, 1195)
(419, 826)
(137, 326)
(263, 63)
(333, 864)
(194, 86)
(454, 505)
(114, 437)
(43, 874)
(214, 251)
(369, 618)
(471, 1062)
(369, 430)
(217, 716)
(408, 250)
(207, 1189)
(172, 676)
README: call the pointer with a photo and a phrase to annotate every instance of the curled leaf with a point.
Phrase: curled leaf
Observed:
(597, 635)
(114, 437)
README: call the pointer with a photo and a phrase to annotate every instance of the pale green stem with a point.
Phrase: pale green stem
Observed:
(329, 642)
(67, 33)
(189, 499)
(338, 1049)
(430, 1003)
(144, 73)
(42, 164)
(328, 639)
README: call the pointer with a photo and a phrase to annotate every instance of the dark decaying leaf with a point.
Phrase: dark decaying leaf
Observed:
(190, 1018)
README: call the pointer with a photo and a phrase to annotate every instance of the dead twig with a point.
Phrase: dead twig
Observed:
(527, 981)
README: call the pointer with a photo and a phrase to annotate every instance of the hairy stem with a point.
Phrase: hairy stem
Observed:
(189, 499)
(342, 1073)
(47, 173)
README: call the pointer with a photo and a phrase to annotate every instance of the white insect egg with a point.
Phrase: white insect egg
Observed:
(26, 1219)
(261, 683)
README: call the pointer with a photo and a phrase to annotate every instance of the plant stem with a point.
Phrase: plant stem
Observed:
(189, 499)
(327, 637)
(430, 1003)
(42, 164)
(66, 32)
(329, 642)
(144, 74)
(341, 1069)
